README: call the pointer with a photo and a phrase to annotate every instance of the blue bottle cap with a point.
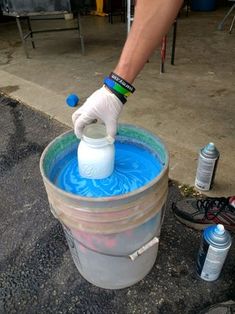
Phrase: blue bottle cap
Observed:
(72, 100)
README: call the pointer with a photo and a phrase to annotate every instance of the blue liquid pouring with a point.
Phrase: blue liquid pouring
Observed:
(134, 167)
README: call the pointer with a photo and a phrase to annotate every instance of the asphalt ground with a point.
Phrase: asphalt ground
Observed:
(37, 272)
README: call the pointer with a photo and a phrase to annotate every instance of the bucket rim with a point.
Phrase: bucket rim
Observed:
(106, 198)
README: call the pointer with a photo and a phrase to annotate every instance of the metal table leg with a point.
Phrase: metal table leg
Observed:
(163, 54)
(231, 26)
(173, 43)
(129, 16)
(22, 36)
(221, 24)
(110, 12)
(31, 32)
(80, 34)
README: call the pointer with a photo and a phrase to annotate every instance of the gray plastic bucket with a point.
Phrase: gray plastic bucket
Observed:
(113, 240)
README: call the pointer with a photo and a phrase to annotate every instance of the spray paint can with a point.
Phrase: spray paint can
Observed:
(214, 248)
(207, 164)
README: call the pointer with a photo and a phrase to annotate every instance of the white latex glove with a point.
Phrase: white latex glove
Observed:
(103, 105)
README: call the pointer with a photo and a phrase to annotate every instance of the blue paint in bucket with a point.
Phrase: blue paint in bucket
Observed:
(134, 167)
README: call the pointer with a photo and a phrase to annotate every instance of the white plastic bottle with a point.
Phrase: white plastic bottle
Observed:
(95, 153)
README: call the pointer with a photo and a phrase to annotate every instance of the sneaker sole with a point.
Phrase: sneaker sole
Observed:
(198, 226)
(192, 224)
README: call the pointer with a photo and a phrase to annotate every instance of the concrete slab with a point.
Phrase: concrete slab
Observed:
(188, 106)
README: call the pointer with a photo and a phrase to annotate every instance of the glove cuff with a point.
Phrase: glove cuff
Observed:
(119, 96)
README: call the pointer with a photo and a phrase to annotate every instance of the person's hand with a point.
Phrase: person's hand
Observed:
(103, 105)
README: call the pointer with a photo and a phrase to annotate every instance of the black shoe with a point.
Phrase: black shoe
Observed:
(201, 213)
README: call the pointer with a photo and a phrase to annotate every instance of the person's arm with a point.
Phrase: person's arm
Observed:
(152, 19)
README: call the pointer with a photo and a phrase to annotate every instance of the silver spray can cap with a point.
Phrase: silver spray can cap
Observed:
(210, 151)
(218, 236)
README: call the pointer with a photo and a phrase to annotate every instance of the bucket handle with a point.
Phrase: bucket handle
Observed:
(133, 256)
(149, 244)
(144, 248)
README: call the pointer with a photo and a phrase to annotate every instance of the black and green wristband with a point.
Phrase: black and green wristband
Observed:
(115, 86)
(118, 86)
(116, 78)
